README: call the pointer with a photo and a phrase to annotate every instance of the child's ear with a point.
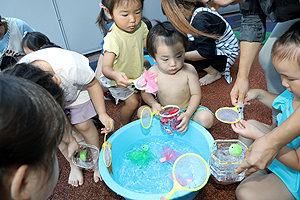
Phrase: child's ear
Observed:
(107, 13)
(56, 79)
(19, 184)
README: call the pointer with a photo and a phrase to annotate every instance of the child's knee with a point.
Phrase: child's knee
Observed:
(133, 102)
(139, 111)
(205, 118)
(84, 126)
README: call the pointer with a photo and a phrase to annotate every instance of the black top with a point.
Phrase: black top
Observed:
(208, 23)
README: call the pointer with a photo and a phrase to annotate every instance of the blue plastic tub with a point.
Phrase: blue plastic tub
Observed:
(196, 135)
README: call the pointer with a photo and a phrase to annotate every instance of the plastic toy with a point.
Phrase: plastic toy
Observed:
(86, 157)
(146, 117)
(141, 157)
(168, 118)
(230, 115)
(180, 179)
(107, 157)
(169, 154)
(235, 149)
(186, 166)
(147, 82)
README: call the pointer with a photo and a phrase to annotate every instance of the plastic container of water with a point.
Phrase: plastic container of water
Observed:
(225, 157)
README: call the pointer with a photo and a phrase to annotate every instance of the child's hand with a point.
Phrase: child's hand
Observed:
(156, 106)
(251, 95)
(184, 124)
(246, 130)
(107, 122)
(122, 80)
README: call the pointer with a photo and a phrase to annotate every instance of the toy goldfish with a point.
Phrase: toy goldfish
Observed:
(169, 154)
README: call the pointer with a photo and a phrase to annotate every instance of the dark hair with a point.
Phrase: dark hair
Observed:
(103, 20)
(36, 40)
(147, 22)
(40, 77)
(287, 46)
(164, 32)
(172, 11)
(32, 125)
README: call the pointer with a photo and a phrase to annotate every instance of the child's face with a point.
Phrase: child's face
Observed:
(169, 59)
(290, 76)
(127, 16)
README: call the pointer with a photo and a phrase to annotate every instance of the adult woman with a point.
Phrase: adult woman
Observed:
(262, 152)
(12, 31)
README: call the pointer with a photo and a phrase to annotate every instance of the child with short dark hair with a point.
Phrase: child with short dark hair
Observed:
(178, 81)
(84, 96)
(32, 125)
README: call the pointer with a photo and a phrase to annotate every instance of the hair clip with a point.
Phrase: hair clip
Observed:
(101, 5)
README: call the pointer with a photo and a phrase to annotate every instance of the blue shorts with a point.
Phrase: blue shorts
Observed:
(200, 108)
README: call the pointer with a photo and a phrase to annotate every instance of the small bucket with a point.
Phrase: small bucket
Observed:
(168, 119)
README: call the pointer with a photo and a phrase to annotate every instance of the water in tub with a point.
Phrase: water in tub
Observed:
(152, 178)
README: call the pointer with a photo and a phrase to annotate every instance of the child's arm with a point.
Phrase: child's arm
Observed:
(249, 130)
(290, 157)
(121, 79)
(195, 98)
(96, 94)
(263, 96)
(145, 42)
(149, 99)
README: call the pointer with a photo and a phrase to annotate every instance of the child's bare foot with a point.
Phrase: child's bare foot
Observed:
(76, 176)
(97, 176)
(209, 78)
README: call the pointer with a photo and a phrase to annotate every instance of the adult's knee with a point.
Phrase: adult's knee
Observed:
(242, 192)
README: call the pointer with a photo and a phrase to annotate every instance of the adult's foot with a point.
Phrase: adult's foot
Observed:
(209, 78)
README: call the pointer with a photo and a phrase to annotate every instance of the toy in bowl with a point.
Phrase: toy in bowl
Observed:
(225, 157)
(168, 118)
(86, 157)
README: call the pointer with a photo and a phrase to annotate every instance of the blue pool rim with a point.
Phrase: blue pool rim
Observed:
(134, 132)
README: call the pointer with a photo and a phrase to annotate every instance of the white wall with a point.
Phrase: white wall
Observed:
(68, 23)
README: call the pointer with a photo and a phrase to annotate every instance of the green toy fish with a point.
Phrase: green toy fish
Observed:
(235, 149)
(141, 157)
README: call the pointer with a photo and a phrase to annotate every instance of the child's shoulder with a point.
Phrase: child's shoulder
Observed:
(153, 69)
(188, 68)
